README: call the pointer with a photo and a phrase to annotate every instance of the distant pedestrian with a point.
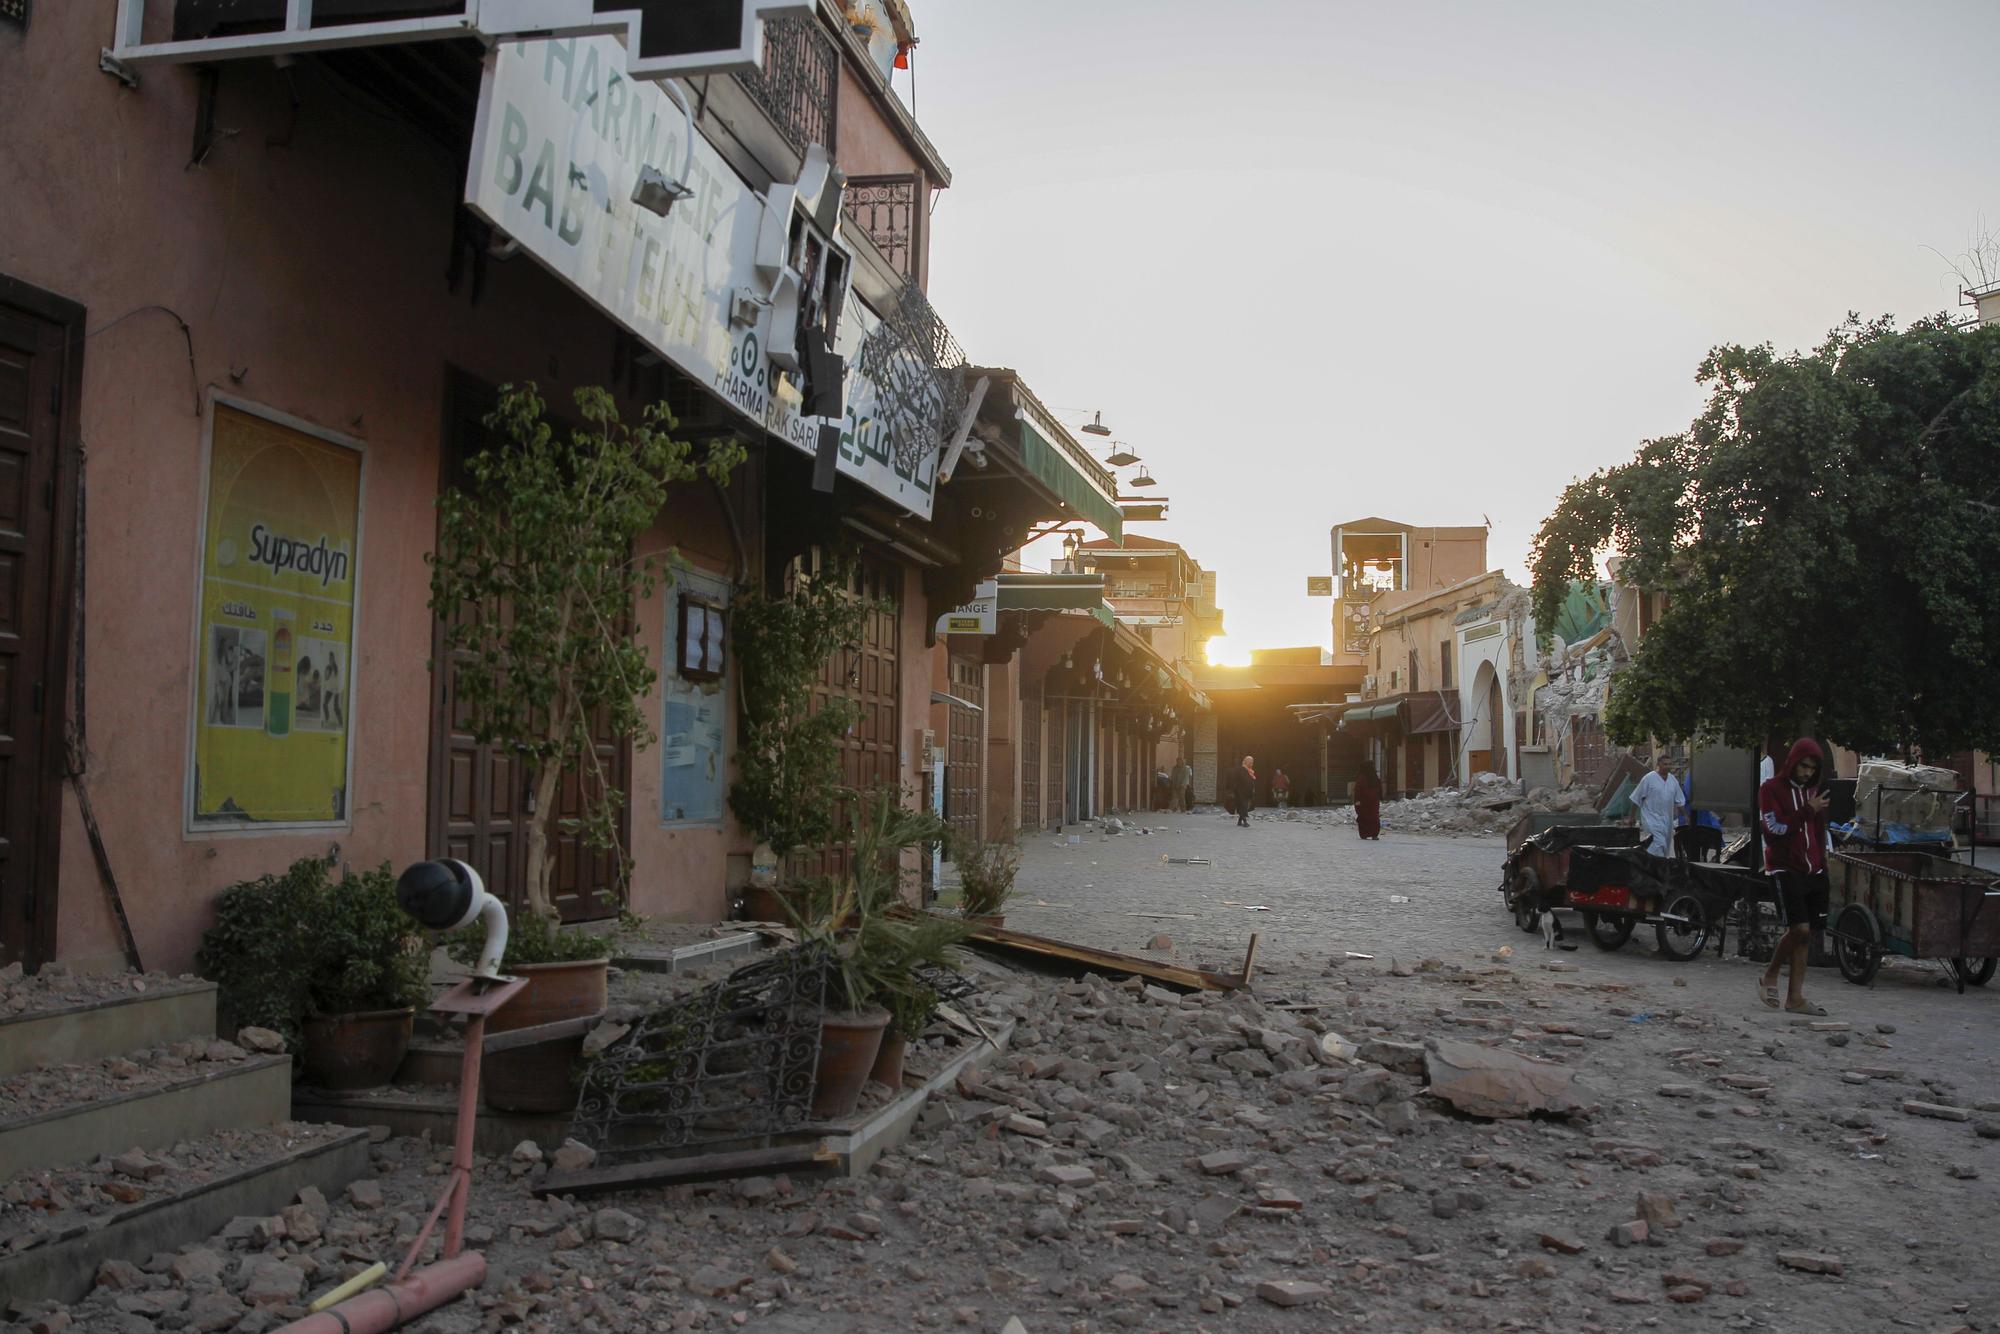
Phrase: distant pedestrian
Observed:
(1792, 810)
(1243, 788)
(1177, 786)
(1657, 799)
(1281, 789)
(1368, 803)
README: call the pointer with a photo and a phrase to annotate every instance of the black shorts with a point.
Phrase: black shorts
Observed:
(1802, 897)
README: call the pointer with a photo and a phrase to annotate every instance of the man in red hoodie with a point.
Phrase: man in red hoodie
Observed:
(1792, 807)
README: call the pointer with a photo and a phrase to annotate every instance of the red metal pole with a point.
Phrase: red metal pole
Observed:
(468, 1117)
(382, 1309)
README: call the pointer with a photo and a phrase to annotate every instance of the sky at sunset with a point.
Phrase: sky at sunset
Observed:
(1316, 261)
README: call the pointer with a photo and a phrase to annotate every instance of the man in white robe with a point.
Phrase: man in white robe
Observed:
(1657, 798)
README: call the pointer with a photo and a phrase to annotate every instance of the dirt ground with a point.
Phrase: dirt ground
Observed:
(1140, 1160)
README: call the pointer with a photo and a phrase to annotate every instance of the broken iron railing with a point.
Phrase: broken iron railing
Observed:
(730, 1062)
(917, 369)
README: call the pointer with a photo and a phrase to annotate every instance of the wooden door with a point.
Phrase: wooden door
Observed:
(481, 792)
(965, 768)
(37, 384)
(868, 675)
(1031, 758)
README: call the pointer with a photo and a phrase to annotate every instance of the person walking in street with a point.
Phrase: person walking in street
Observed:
(1791, 808)
(1243, 788)
(1177, 786)
(1281, 789)
(1657, 799)
(1368, 803)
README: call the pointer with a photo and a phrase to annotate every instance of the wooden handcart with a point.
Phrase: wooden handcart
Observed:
(1915, 904)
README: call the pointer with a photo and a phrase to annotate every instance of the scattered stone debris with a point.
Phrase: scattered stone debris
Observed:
(1486, 1082)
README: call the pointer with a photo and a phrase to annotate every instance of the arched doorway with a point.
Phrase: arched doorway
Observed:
(1486, 729)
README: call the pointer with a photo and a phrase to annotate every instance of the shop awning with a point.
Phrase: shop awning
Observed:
(1055, 469)
(1371, 713)
(1430, 711)
(1055, 592)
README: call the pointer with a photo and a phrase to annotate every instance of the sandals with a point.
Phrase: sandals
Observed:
(1768, 993)
(1818, 1011)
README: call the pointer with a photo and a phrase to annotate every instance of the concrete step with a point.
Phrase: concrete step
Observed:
(76, 1034)
(432, 1063)
(653, 959)
(415, 1109)
(59, 1261)
(152, 1113)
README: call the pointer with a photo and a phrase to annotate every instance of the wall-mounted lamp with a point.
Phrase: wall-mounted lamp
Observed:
(1097, 426)
(1143, 479)
(657, 192)
(1121, 455)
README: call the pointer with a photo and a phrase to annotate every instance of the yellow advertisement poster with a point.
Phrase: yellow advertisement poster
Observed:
(275, 649)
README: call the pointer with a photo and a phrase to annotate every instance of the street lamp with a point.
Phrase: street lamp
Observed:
(1096, 425)
(1121, 454)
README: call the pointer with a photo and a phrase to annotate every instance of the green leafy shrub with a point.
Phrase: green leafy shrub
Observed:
(788, 787)
(873, 937)
(533, 938)
(303, 945)
(986, 872)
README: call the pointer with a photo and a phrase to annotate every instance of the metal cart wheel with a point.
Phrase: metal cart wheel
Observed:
(1527, 894)
(1609, 932)
(1857, 944)
(1974, 972)
(1682, 933)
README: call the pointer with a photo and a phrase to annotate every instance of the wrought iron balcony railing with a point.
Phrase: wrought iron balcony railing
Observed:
(889, 210)
(796, 86)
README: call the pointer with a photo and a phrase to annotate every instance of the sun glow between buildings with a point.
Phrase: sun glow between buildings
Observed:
(1222, 653)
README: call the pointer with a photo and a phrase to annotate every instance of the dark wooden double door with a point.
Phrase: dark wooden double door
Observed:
(481, 793)
(41, 343)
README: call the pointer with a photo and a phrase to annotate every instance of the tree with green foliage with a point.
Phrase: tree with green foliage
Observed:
(1828, 533)
(788, 790)
(537, 580)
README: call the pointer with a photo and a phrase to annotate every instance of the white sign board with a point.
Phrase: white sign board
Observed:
(561, 136)
(981, 616)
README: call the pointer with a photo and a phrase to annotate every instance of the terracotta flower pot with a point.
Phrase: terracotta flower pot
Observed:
(888, 1069)
(356, 1051)
(538, 1078)
(848, 1046)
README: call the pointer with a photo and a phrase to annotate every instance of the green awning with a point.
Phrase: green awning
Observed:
(1372, 713)
(1055, 592)
(1053, 467)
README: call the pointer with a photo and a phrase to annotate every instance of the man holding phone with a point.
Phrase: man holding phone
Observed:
(1791, 807)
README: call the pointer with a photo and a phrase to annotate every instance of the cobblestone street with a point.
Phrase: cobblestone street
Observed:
(1329, 893)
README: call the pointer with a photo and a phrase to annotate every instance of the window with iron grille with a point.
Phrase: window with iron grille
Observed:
(796, 85)
(886, 208)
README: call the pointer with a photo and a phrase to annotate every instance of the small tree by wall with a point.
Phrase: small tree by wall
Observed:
(536, 581)
(788, 788)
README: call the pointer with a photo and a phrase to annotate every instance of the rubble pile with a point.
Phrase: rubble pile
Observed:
(1489, 804)
(47, 1088)
(1397, 1145)
(55, 987)
(38, 1206)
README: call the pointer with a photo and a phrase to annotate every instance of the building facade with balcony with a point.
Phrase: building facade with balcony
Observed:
(240, 368)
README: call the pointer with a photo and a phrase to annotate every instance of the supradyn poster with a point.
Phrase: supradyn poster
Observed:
(275, 648)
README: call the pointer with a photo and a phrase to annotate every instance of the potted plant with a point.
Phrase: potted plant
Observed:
(569, 976)
(333, 966)
(852, 917)
(911, 1001)
(986, 872)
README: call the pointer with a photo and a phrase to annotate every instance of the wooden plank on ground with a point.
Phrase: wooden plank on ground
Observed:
(807, 1156)
(1109, 961)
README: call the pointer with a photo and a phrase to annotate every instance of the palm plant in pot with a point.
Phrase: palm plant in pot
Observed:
(986, 872)
(568, 975)
(921, 942)
(853, 918)
(334, 966)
